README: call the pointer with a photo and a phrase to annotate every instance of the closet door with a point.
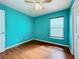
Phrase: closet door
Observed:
(2, 31)
(76, 29)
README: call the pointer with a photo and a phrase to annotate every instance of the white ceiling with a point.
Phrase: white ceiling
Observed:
(28, 8)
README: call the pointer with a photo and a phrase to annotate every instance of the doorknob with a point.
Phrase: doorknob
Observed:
(78, 36)
(1, 32)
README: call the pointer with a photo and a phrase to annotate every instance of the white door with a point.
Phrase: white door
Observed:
(2, 30)
(76, 29)
(77, 38)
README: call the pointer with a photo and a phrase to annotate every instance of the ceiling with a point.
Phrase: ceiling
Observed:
(28, 8)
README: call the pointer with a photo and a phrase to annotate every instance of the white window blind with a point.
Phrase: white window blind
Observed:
(57, 28)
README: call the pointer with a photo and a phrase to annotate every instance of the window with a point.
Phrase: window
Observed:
(57, 28)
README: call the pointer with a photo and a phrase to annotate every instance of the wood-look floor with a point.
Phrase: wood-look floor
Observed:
(36, 50)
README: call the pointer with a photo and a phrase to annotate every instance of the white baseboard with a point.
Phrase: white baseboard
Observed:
(55, 44)
(18, 44)
(2, 51)
(37, 40)
(51, 42)
(71, 51)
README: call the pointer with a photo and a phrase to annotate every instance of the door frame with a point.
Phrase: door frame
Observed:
(75, 28)
(3, 32)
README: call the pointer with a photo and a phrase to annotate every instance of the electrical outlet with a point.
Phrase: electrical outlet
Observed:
(19, 39)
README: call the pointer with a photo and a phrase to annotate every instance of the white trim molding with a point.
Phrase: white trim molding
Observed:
(18, 44)
(52, 42)
(71, 51)
(2, 30)
(41, 41)
(56, 44)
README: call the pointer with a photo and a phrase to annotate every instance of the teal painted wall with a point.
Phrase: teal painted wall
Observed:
(71, 26)
(42, 27)
(18, 26)
(21, 26)
(73, 2)
(70, 29)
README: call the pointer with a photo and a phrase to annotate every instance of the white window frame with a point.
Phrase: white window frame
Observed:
(54, 25)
